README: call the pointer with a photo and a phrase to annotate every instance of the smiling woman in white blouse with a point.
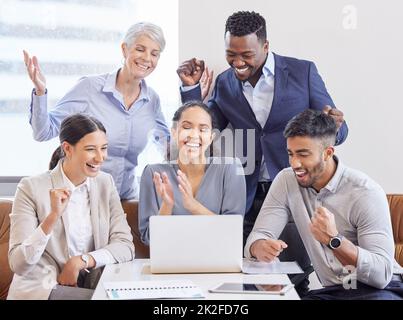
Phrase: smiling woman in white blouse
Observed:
(68, 222)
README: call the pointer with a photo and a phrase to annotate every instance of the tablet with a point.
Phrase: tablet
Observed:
(259, 288)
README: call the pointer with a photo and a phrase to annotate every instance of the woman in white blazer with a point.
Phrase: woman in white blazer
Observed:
(68, 222)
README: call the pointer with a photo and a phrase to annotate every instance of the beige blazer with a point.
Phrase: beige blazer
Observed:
(32, 205)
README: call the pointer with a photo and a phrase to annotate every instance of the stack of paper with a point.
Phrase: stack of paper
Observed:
(163, 289)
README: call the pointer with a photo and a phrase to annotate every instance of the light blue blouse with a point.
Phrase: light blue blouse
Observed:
(222, 190)
(128, 131)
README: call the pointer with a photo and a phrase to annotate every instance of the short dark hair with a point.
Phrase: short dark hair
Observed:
(312, 123)
(193, 104)
(72, 129)
(242, 23)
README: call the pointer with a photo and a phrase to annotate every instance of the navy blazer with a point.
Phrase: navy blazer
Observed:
(297, 86)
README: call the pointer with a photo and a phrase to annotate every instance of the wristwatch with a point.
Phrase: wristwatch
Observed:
(335, 242)
(86, 259)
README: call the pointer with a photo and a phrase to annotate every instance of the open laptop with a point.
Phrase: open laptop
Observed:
(196, 244)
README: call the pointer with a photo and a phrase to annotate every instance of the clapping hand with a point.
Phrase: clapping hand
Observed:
(164, 189)
(189, 202)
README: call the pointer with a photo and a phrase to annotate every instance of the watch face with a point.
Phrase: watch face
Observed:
(335, 243)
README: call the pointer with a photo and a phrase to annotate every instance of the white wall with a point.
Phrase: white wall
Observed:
(362, 67)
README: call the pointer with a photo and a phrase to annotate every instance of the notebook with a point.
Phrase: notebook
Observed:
(162, 289)
(196, 244)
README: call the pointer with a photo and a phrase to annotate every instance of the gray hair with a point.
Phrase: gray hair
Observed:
(148, 29)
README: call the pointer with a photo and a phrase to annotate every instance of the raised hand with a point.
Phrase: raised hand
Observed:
(190, 71)
(59, 198)
(336, 114)
(323, 225)
(35, 73)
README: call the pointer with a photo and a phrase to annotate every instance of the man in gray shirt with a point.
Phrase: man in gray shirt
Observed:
(341, 214)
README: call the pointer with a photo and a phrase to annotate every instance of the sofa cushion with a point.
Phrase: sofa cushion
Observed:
(130, 207)
(396, 212)
(6, 275)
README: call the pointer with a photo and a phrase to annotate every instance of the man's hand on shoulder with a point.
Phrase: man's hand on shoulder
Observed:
(336, 114)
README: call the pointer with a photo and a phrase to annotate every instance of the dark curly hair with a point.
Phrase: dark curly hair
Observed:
(242, 23)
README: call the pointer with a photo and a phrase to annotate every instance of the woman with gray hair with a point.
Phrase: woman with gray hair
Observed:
(129, 109)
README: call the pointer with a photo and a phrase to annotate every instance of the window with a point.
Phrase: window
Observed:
(71, 38)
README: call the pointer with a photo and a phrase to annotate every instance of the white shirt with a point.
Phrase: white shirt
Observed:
(77, 219)
(260, 98)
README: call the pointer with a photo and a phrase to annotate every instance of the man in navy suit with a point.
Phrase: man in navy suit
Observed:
(261, 91)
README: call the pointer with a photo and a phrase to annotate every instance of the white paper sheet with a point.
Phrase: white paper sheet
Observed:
(276, 266)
